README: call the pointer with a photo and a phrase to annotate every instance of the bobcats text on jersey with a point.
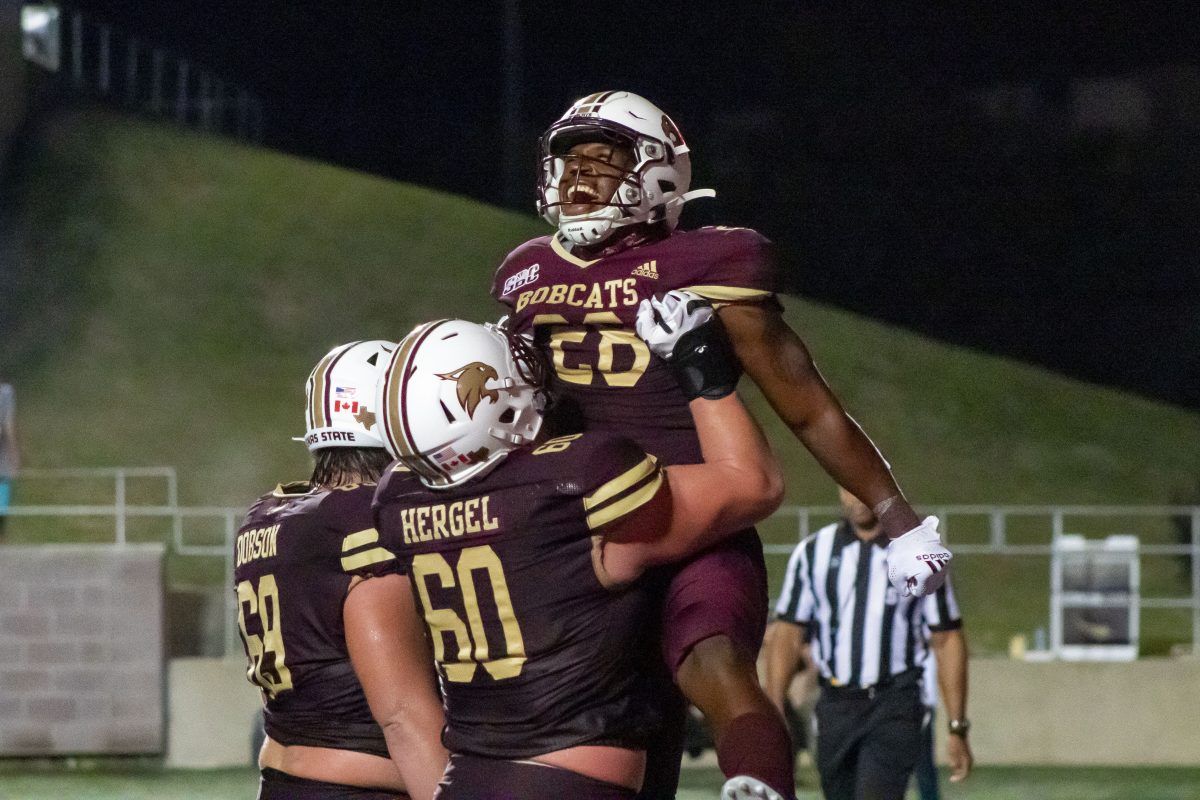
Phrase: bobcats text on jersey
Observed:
(582, 314)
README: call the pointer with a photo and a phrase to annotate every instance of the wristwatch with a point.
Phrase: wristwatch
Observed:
(959, 727)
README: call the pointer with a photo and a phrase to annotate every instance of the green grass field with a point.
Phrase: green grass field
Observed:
(989, 783)
(185, 285)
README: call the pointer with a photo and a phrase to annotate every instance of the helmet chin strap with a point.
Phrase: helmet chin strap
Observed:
(589, 229)
(606, 225)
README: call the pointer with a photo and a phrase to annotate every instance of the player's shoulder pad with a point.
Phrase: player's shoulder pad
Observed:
(621, 478)
(724, 241)
(597, 451)
(361, 552)
(270, 502)
(397, 480)
(521, 258)
(349, 511)
(348, 508)
(738, 265)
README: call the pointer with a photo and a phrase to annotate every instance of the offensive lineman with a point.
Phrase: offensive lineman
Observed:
(303, 605)
(615, 173)
(526, 555)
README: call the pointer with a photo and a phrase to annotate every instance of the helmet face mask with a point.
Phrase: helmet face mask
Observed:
(652, 190)
(340, 405)
(456, 398)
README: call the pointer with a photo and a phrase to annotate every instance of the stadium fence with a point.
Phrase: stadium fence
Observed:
(207, 532)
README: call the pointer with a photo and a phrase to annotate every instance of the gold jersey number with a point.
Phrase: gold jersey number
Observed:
(470, 647)
(268, 668)
(609, 333)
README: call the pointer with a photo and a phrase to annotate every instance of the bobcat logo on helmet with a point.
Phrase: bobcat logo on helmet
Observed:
(415, 405)
(472, 385)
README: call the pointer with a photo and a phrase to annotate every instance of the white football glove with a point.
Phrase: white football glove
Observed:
(682, 329)
(661, 323)
(918, 561)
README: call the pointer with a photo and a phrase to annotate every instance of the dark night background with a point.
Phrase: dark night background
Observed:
(1023, 178)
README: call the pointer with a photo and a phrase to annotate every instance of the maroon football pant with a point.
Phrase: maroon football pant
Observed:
(474, 778)
(721, 592)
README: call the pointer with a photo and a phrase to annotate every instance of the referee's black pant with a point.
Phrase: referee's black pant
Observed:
(868, 740)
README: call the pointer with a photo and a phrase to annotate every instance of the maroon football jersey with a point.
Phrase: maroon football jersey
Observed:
(294, 557)
(533, 653)
(583, 313)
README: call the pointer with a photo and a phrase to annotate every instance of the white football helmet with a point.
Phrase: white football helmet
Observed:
(340, 409)
(654, 190)
(457, 397)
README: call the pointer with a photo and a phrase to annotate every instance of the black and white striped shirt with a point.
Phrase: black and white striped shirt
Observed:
(861, 629)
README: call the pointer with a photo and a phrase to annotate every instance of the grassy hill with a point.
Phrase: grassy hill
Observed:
(190, 284)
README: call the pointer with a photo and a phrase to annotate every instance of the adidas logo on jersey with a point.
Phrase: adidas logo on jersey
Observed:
(647, 270)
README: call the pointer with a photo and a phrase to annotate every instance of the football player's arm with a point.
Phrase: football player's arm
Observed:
(778, 361)
(783, 652)
(738, 484)
(390, 654)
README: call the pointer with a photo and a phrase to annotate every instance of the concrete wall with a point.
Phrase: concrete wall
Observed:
(213, 713)
(1141, 713)
(1136, 713)
(81, 649)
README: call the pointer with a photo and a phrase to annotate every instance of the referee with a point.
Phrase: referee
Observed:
(869, 645)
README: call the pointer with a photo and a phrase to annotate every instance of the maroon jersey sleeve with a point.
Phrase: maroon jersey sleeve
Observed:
(738, 266)
(345, 512)
(625, 479)
(387, 552)
(519, 269)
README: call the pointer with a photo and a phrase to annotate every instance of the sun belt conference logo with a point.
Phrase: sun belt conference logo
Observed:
(522, 278)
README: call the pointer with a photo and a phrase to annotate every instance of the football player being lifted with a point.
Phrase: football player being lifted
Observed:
(526, 553)
(615, 173)
(304, 607)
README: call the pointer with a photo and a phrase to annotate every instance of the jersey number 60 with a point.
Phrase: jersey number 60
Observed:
(470, 648)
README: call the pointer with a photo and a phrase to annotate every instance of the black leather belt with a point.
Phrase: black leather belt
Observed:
(907, 678)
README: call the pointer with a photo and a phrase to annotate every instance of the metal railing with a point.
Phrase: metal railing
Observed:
(122, 512)
(103, 61)
(999, 522)
(999, 519)
(119, 510)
